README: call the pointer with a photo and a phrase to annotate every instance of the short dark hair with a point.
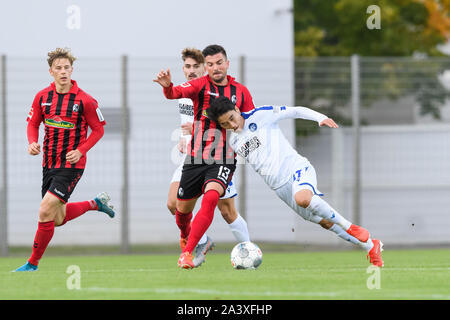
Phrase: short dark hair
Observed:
(214, 49)
(218, 107)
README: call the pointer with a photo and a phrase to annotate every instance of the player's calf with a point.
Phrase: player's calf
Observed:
(227, 210)
(326, 224)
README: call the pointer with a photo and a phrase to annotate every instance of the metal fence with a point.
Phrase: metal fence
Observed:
(388, 169)
(385, 169)
(133, 161)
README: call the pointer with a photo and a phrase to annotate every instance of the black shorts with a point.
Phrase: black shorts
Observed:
(60, 182)
(195, 177)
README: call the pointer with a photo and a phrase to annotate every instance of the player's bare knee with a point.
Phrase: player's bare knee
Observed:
(46, 211)
(228, 215)
(302, 201)
(172, 206)
(303, 198)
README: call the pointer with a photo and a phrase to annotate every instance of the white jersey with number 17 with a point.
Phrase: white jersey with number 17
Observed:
(264, 146)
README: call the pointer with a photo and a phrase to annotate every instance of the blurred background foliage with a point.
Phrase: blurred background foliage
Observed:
(412, 29)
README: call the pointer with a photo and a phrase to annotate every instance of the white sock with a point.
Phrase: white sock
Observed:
(344, 235)
(239, 229)
(322, 209)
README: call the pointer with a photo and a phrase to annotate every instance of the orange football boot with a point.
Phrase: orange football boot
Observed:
(185, 261)
(375, 253)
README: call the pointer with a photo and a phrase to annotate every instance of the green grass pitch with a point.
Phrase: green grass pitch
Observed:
(408, 274)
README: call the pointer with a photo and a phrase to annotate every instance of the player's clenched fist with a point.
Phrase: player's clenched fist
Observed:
(73, 156)
(164, 78)
(34, 148)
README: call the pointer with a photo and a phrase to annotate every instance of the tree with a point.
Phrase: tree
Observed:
(337, 28)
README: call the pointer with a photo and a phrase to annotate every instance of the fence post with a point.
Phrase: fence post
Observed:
(337, 169)
(125, 237)
(355, 65)
(4, 168)
(242, 168)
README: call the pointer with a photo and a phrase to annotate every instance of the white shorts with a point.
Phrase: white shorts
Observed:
(229, 193)
(303, 177)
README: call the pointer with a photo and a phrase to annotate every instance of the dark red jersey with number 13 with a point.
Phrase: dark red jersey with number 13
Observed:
(66, 118)
(206, 145)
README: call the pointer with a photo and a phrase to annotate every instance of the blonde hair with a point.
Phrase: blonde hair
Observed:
(60, 53)
(192, 53)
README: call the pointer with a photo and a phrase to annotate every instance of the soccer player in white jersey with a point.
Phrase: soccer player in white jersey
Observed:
(194, 67)
(257, 137)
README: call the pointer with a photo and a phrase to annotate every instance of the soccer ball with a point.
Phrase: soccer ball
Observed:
(246, 255)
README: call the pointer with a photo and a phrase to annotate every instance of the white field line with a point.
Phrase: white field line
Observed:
(126, 270)
(210, 292)
(335, 294)
(362, 269)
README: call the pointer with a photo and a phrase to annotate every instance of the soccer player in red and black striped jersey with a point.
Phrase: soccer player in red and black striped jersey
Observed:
(210, 162)
(67, 112)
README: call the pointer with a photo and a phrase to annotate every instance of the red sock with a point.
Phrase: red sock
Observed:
(202, 219)
(76, 209)
(184, 223)
(43, 236)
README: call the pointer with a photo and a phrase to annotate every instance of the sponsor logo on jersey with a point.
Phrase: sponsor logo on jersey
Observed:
(252, 127)
(59, 192)
(46, 104)
(186, 109)
(249, 146)
(57, 122)
(205, 114)
(185, 85)
(213, 94)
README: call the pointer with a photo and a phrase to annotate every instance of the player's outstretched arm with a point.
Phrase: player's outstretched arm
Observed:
(299, 112)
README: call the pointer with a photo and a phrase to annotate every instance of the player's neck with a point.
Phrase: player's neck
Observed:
(222, 83)
(63, 88)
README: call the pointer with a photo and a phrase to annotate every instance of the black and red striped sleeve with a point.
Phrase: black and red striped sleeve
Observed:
(34, 119)
(95, 121)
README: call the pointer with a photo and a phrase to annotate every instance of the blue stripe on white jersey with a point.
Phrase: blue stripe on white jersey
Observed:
(246, 115)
